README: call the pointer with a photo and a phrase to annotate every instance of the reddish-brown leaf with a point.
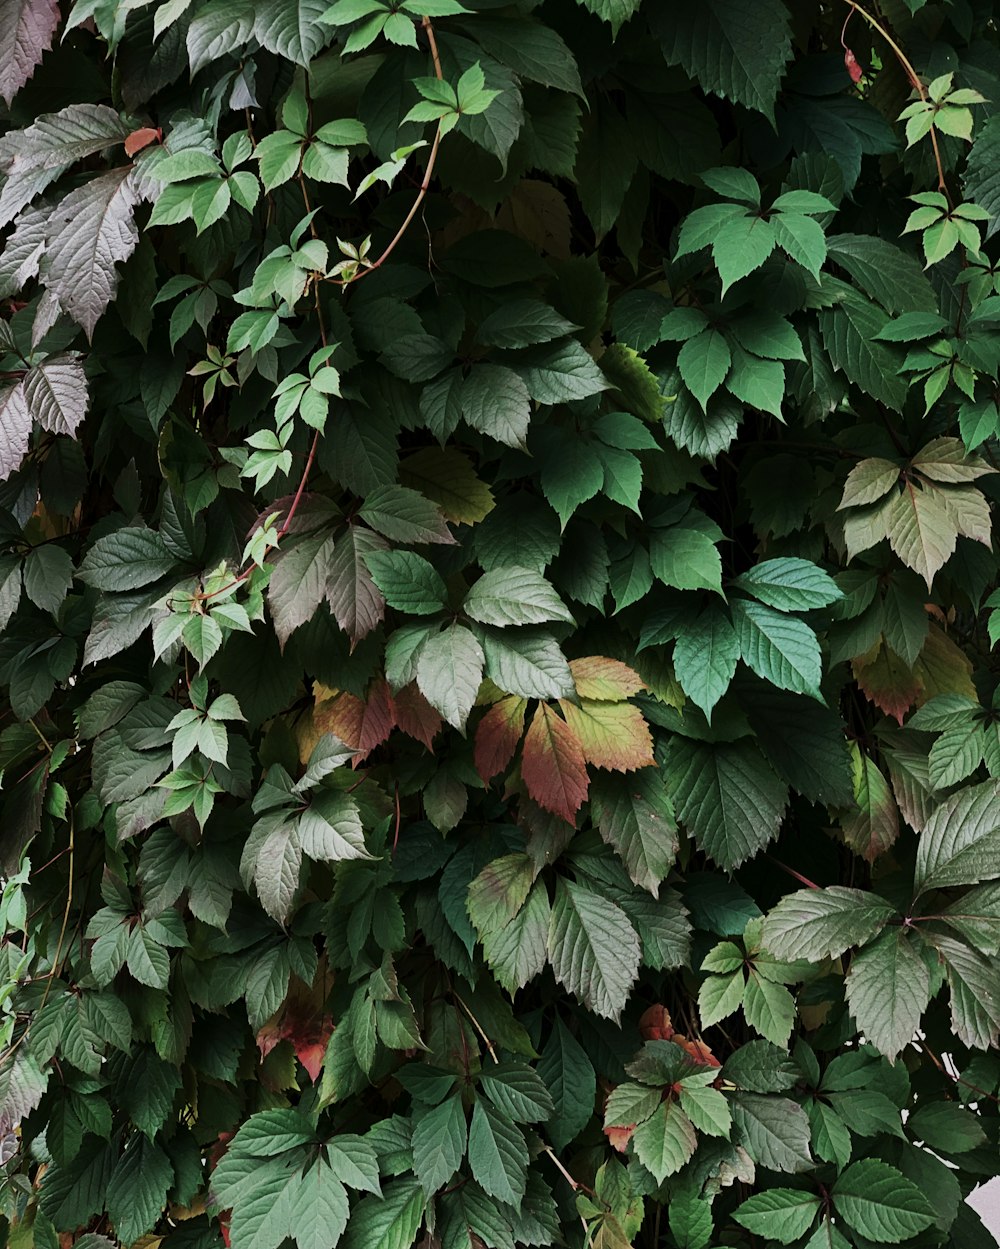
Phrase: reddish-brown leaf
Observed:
(613, 735)
(303, 1022)
(605, 680)
(655, 1024)
(553, 765)
(415, 716)
(360, 724)
(497, 736)
(141, 138)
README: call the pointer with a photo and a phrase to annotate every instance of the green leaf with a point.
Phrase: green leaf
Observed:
(704, 362)
(48, 575)
(518, 1092)
(947, 1127)
(685, 559)
(790, 584)
(881, 1204)
(522, 323)
(514, 596)
(779, 648)
(775, 1131)
(848, 331)
(319, 1209)
(783, 1214)
(816, 924)
(569, 1075)
(407, 581)
(439, 1141)
(527, 662)
(665, 1141)
(768, 1008)
(387, 1222)
(148, 962)
(729, 50)
(498, 1155)
(495, 401)
(961, 840)
(126, 560)
(404, 515)
(705, 658)
(137, 1189)
(449, 673)
(559, 373)
(593, 949)
(726, 795)
(635, 817)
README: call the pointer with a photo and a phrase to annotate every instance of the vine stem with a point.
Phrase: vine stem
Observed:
(915, 83)
(424, 183)
(421, 196)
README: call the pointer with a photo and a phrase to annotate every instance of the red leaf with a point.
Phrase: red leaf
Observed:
(497, 736)
(139, 139)
(553, 765)
(853, 68)
(416, 717)
(606, 680)
(613, 735)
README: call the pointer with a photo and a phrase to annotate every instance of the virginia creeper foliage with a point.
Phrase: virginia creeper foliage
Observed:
(501, 734)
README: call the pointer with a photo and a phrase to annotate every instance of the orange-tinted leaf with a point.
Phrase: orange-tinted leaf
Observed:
(360, 724)
(613, 735)
(415, 716)
(139, 139)
(605, 680)
(699, 1051)
(497, 736)
(620, 1137)
(553, 765)
(887, 681)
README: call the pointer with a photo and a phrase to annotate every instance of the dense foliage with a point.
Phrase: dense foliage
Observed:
(501, 740)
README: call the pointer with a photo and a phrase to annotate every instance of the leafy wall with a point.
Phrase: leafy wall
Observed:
(501, 739)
